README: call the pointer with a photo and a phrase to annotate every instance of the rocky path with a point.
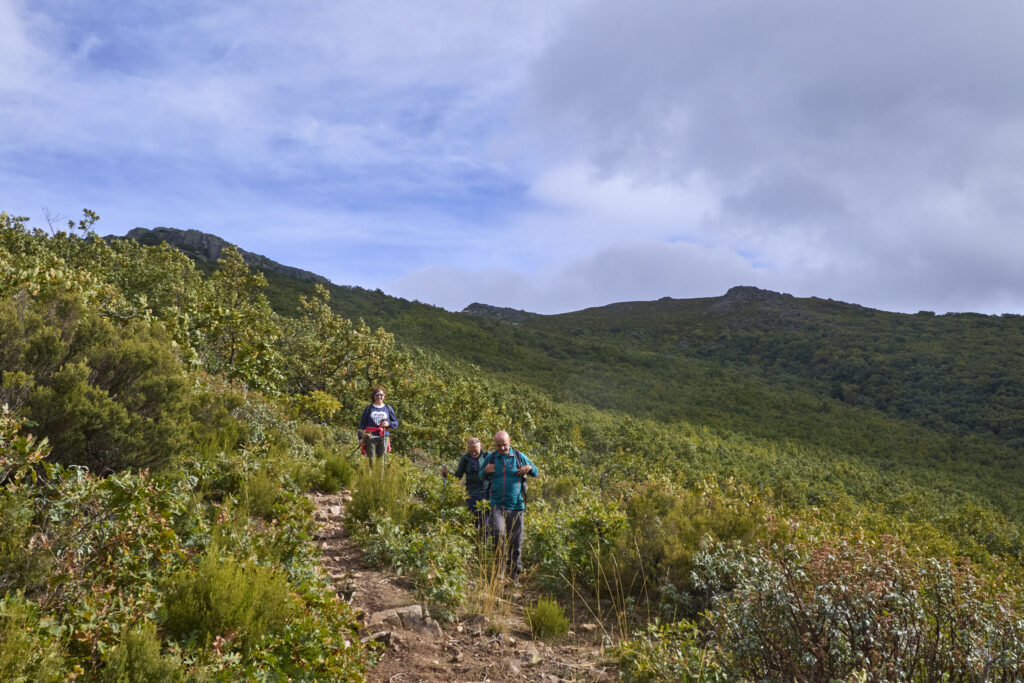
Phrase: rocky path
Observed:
(417, 648)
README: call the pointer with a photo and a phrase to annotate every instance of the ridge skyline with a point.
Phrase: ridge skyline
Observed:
(206, 247)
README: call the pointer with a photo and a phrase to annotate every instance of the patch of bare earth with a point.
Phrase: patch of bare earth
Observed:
(417, 648)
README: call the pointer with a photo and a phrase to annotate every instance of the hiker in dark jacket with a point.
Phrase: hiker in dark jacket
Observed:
(375, 426)
(476, 488)
(506, 469)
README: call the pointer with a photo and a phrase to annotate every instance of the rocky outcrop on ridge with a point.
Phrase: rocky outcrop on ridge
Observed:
(202, 246)
(508, 315)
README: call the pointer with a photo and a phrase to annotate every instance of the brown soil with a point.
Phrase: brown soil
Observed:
(472, 649)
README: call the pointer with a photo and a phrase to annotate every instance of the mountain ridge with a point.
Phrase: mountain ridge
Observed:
(207, 247)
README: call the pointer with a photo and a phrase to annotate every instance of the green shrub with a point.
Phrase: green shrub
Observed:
(224, 598)
(547, 619)
(434, 557)
(287, 539)
(260, 493)
(667, 652)
(337, 474)
(380, 491)
(831, 610)
(137, 659)
(107, 396)
(316, 405)
(312, 434)
(28, 649)
(21, 567)
(574, 542)
(667, 528)
(548, 541)
(441, 573)
(561, 488)
(215, 428)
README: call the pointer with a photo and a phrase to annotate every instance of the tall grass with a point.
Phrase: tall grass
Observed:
(489, 594)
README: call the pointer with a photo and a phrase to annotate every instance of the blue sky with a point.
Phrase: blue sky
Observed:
(543, 155)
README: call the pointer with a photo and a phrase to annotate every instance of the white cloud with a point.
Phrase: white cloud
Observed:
(666, 209)
(839, 146)
(596, 151)
(637, 271)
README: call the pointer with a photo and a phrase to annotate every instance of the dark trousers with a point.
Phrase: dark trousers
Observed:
(479, 518)
(508, 529)
(376, 448)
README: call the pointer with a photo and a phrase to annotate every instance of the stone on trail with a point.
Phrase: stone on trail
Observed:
(478, 624)
(383, 637)
(410, 617)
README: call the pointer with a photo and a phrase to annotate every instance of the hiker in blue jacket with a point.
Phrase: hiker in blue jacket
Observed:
(476, 488)
(375, 426)
(506, 469)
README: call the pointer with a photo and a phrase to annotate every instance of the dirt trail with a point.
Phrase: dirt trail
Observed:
(417, 648)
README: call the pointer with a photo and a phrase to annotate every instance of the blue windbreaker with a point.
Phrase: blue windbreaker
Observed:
(506, 485)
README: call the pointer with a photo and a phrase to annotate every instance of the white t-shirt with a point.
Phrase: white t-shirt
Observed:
(378, 414)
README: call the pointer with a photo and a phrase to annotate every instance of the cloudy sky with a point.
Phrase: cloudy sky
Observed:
(547, 155)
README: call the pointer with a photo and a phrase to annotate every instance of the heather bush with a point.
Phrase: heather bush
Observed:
(30, 649)
(667, 525)
(222, 598)
(380, 491)
(571, 542)
(547, 619)
(138, 659)
(337, 473)
(259, 493)
(22, 567)
(286, 540)
(313, 433)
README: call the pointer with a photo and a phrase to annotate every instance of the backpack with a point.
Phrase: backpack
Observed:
(524, 486)
(519, 464)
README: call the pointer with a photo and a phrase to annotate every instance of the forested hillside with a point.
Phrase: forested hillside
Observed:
(722, 489)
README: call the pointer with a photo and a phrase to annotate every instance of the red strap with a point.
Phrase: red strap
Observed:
(375, 430)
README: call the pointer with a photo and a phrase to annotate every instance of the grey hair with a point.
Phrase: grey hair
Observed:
(473, 440)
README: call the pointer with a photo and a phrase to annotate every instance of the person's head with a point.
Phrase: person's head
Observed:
(502, 442)
(378, 394)
(473, 447)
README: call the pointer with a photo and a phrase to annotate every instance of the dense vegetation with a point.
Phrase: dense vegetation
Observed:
(932, 397)
(766, 523)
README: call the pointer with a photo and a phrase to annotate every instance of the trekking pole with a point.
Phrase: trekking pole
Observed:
(444, 495)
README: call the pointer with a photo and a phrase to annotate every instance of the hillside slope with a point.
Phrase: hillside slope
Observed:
(910, 392)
